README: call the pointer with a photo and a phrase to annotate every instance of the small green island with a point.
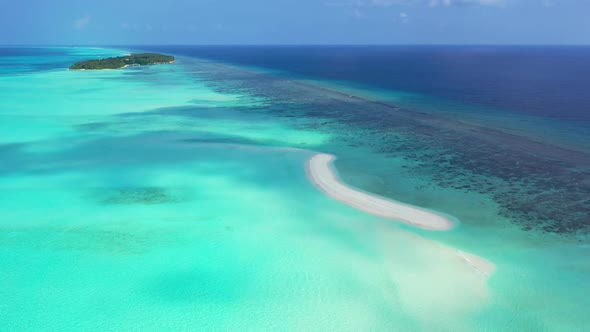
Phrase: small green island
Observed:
(138, 59)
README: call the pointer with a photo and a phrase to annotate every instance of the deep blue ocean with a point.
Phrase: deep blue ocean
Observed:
(547, 81)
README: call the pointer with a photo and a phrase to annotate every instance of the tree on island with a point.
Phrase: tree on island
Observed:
(139, 59)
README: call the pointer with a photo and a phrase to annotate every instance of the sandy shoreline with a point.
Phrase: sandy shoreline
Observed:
(325, 178)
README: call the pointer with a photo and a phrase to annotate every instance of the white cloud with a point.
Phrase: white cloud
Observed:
(495, 3)
(404, 17)
(431, 3)
(82, 22)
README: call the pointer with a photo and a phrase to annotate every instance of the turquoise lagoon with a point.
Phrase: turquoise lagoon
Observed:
(174, 197)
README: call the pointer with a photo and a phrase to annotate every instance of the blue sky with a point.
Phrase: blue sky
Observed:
(295, 22)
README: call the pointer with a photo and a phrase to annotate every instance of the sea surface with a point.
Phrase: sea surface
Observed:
(175, 197)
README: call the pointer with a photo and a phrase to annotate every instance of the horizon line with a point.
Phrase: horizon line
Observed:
(293, 45)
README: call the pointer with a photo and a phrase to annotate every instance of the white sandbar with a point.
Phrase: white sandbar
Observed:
(326, 179)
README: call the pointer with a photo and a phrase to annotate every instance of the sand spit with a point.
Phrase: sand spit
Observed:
(480, 264)
(326, 179)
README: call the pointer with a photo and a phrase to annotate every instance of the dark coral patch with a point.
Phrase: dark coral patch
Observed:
(139, 195)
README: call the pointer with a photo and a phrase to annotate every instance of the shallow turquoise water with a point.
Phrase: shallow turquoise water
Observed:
(169, 197)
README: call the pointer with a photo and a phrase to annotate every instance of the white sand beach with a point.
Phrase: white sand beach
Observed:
(326, 179)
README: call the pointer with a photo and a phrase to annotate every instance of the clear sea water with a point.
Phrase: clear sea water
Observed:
(174, 197)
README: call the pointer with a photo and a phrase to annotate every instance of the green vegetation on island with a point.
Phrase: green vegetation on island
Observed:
(139, 59)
